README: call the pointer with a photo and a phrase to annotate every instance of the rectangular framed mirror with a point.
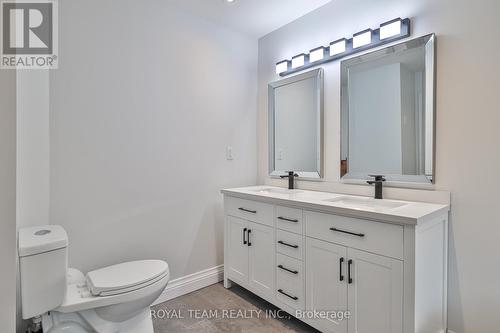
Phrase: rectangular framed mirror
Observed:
(388, 114)
(296, 125)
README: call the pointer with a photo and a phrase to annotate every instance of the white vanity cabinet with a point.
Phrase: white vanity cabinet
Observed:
(326, 286)
(388, 273)
(363, 263)
(369, 286)
(374, 293)
(249, 253)
(260, 259)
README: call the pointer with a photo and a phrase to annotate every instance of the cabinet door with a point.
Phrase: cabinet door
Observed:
(261, 259)
(375, 295)
(326, 283)
(237, 250)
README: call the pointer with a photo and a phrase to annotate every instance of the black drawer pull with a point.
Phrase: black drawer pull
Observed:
(349, 264)
(248, 210)
(341, 277)
(347, 232)
(289, 245)
(287, 219)
(284, 293)
(288, 270)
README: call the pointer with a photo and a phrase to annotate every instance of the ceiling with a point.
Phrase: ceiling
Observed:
(255, 18)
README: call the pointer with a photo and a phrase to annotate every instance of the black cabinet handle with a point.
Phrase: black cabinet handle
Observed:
(347, 232)
(289, 245)
(287, 219)
(288, 270)
(249, 232)
(244, 239)
(284, 293)
(248, 210)
(341, 261)
(349, 264)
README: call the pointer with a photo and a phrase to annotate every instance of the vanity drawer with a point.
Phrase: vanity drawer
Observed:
(250, 210)
(289, 243)
(377, 237)
(289, 219)
(290, 282)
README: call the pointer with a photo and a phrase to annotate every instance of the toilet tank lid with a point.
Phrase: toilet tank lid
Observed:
(40, 239)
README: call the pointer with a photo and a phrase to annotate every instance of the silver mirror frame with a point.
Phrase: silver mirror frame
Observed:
(319, 74)
(401, 180)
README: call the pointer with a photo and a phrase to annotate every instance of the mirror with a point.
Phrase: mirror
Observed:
(296, 125)
(387, 117)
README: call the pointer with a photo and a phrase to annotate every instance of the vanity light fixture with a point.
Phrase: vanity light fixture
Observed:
(391, 28)
(388, 32)
(362, 38)
(317, 54)
(299, 60)
(338, 47)
(282, 66)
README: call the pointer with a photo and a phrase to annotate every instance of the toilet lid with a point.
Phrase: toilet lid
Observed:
(124, 276)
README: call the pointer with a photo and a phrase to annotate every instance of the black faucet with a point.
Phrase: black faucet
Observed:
(291, 177)
(379, 181)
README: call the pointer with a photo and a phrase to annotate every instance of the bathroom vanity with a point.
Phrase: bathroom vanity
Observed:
(316, 254)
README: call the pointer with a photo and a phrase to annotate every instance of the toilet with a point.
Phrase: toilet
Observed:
(113, 299)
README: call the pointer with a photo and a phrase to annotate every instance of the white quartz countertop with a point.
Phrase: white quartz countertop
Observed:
(392, 211)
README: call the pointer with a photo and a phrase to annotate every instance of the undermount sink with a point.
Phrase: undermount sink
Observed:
(272, 190)
(357, 202)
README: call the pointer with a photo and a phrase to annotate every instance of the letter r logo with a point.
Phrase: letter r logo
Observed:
(27, 27)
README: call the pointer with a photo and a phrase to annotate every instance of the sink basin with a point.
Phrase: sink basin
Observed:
(356, 202)
(273, 190)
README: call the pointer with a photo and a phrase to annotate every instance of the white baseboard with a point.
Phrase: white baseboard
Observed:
(190, 283)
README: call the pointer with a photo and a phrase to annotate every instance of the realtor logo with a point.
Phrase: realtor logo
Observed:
(28, 34)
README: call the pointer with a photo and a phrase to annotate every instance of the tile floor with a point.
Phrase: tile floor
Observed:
(216, 309)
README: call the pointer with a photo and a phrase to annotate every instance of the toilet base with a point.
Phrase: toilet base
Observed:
(89, 322)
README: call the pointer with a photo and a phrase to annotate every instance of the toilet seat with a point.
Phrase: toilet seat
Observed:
(125, 277)
(79, 296)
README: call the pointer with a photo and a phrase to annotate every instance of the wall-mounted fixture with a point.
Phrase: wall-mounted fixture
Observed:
(362, 38)
(296, 125)
(387, 32)
(390, 29)
(299, 60)
(388, 101)
(283, 66)
(317, 54)
(337, 47)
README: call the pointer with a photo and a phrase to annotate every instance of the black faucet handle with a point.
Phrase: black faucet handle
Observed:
(378, 178)
(291, 179)
(290, 174)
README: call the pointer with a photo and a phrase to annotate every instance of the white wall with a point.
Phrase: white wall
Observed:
(375, 120)
(8, 200)
(143, 105)
(411, 117)
(468, 77)
(33, 148)
(296, 111)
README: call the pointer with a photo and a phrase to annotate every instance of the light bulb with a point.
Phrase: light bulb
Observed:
(390, 29)
(362, 38)
(337, 47)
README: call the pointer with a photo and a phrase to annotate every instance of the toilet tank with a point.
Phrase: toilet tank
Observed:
(43, 265)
